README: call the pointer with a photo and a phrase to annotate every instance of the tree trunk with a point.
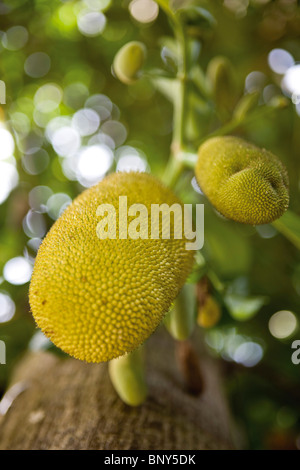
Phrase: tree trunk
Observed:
(55, 403)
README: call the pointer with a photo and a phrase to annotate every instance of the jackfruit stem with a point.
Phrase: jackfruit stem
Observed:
(289, 226)
(175, 166)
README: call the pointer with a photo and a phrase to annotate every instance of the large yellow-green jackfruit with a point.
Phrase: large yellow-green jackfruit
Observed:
(97, 299)
(243, 182)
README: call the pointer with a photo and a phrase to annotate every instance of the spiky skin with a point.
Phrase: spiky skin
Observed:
(97, 299)
(243, 182)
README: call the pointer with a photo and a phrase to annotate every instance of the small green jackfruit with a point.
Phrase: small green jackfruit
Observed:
(129, 61)
(209, 314)
(243, 182)
(128, 377)
(221, 78)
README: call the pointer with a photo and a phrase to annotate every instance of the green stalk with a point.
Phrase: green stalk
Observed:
(175, 166)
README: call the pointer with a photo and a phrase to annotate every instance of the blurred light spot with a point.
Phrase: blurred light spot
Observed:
(291, 80)
(15, 38)
(31, 143)
(38, 198)
(57, 203)
(232, 342)
(286, 418)
(116, 30)
(116, 131)
(269, 92)
(36, 162)
(215, 340)
(75, 95)
(144, 11)
(37, 65)
(266, 231)
(91, 23)
(260, 2)
(7, 308)
(93, 163)
(130, 159)
(7, 144)
(102, 139)
(48, 97)
(55, 124)
(101, 104)
(282, 324)
(34, 225)
(69, 167)
(86, 121)
(280, 60)
(39, 342)
(131, 163)
(36, 416)
(20, 123)
(34, 244)
(97, 5)
(42, 118)
(238, 7)
(249, 354)
(17, 271)
(196, 186)
(66, 141)
(8, 180)
(255, 81)
(5, 9)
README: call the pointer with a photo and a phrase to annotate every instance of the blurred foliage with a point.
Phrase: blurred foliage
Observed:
(254, 272)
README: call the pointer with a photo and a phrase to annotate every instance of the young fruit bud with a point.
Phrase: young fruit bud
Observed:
(181, 320)
(128, 62)
(243, 182)
(127, 376)
(209, 313)
(221, 80)
(99, 297)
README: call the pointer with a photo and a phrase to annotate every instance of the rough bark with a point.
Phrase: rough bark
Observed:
(67, 404)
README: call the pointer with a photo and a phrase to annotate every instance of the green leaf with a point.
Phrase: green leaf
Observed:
(165, 5)
(179, 4)
(167, 87)
(196, 16)
(289, 226)
(241, 308)
(245, 105)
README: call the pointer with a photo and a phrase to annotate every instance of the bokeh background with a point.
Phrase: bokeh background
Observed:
(68, 121)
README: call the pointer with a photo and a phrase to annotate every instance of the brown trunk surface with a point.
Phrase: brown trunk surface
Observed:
(67, 404)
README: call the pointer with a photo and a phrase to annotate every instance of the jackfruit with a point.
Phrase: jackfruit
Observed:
(129, 61)
(243, 182)
(98, 299)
